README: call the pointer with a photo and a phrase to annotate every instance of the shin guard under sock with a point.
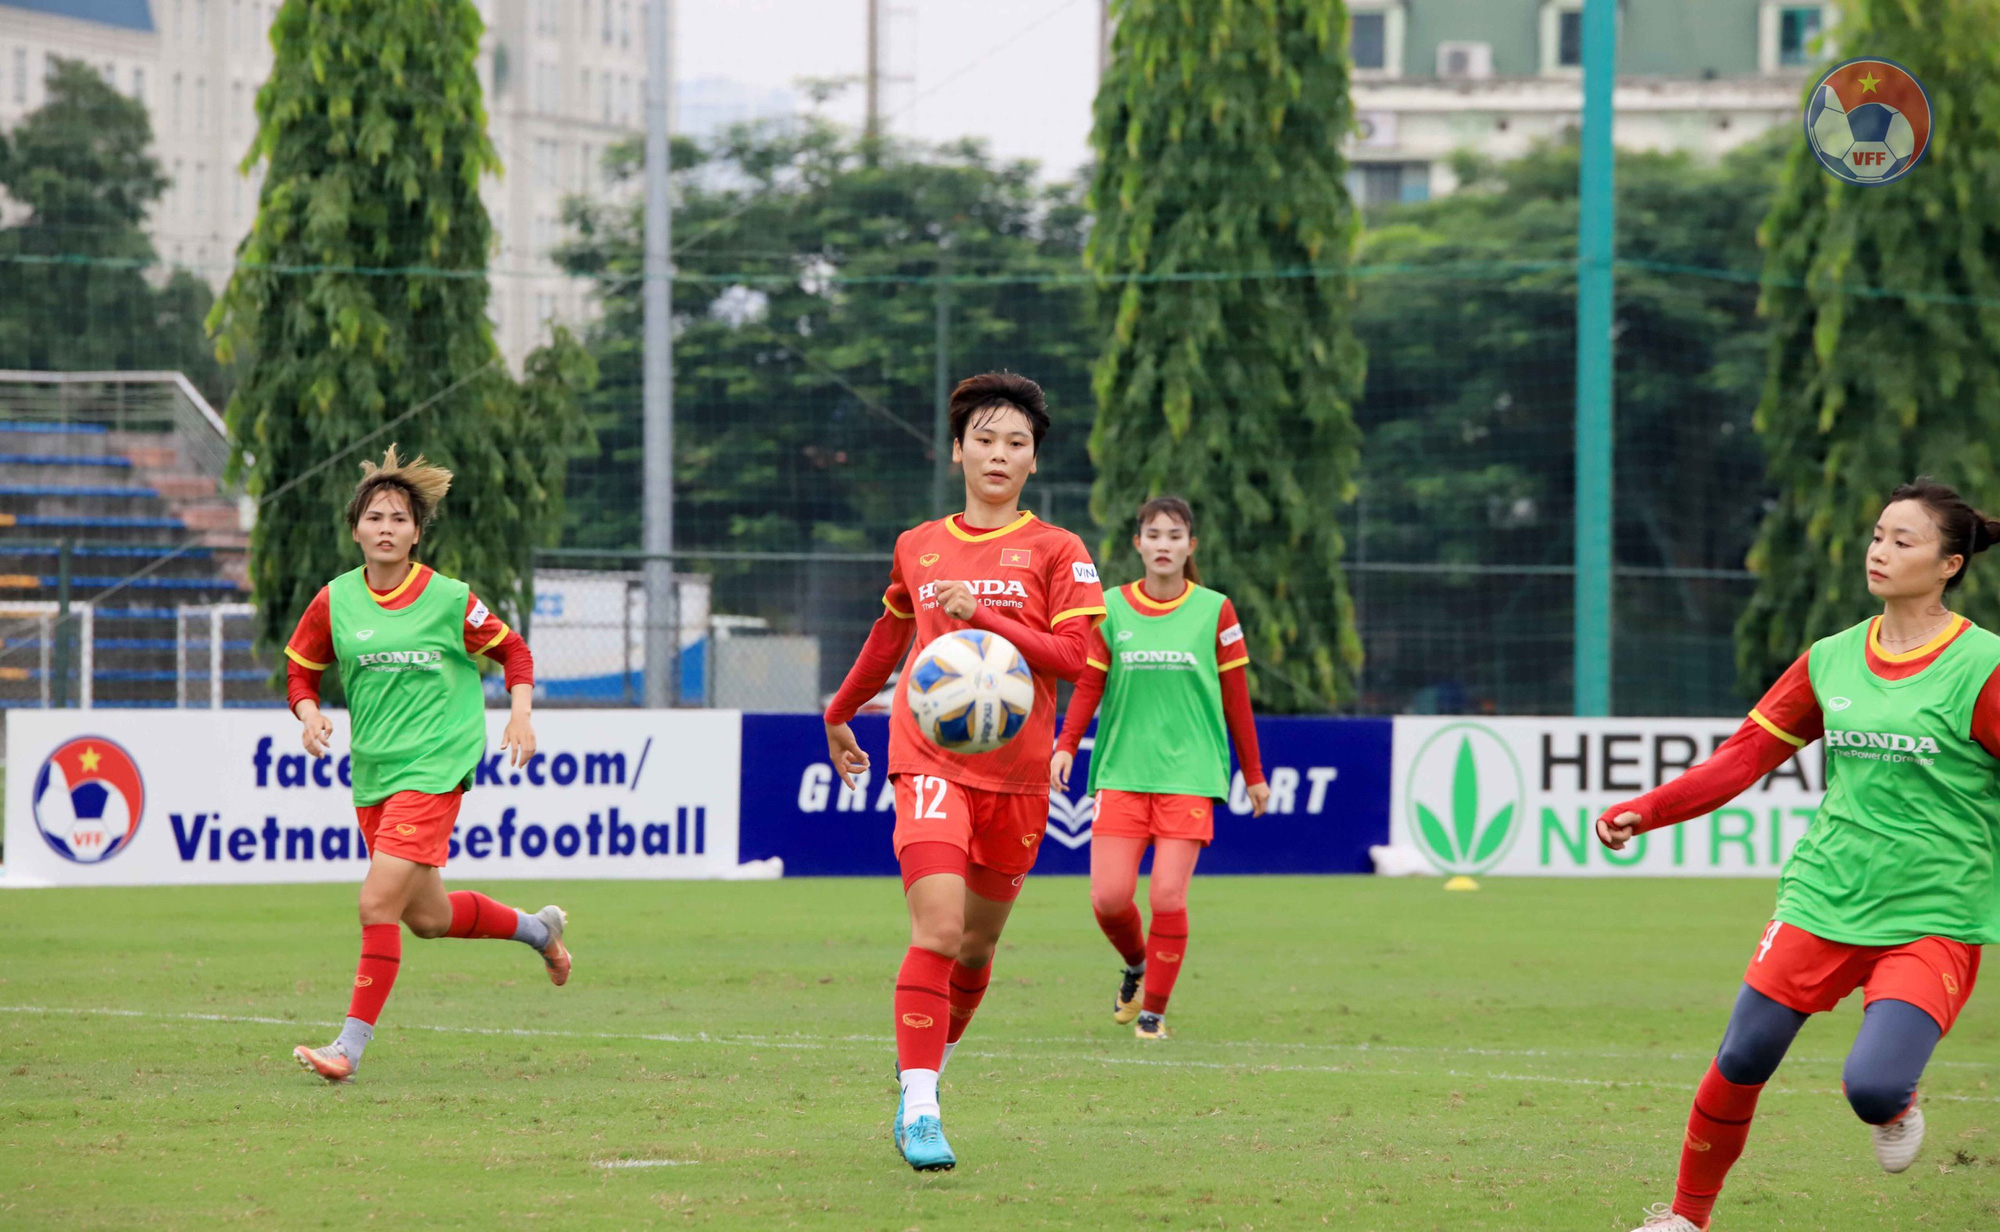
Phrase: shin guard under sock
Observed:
(1166, 945)
(1127, 934)
(968, 988)
(923, 1009)
(1718, 1125)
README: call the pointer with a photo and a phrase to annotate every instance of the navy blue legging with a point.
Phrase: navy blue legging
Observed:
(1880, 1077)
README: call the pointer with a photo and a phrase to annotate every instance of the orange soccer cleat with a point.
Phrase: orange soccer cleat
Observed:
(555, 955)
(330, 1062)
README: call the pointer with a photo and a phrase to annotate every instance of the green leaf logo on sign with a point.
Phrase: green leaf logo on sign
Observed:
(1466, 798)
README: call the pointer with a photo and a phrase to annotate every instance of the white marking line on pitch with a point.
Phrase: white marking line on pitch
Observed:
(647, 1163)
(833, 1042)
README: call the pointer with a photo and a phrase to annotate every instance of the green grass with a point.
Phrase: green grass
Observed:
(1352, 1053)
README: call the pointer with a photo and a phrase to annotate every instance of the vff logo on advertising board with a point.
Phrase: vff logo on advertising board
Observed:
(89, 799)
(1466, 798)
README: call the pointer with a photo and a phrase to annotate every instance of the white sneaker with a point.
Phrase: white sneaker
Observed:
(1661, 1218)
(1897, 1143)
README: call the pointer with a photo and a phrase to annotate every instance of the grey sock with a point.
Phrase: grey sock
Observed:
(354, 1037)
(530, 930)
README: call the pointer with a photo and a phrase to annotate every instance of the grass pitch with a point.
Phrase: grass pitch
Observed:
(1353, 1053)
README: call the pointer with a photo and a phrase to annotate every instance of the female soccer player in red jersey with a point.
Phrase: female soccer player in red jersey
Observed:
(1175, 681)
(405, 638)
(968, 827)
(1896, 884)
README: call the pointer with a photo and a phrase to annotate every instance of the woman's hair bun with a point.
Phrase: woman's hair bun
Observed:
(1985, 533)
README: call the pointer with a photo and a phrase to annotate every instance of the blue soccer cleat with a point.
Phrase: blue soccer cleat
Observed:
(896, 1126)
(924, 1147)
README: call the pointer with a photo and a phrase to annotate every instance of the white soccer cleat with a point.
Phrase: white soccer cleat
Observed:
(555, 955)
(1661, 1218)
(1897, 1143)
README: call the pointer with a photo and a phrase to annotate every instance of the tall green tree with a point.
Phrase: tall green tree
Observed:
(361, 295)
(1217, 135)
(76, 269)
(1884, 362)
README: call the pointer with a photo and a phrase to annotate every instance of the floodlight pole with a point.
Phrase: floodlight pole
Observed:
(657, 397)
(1593, 364)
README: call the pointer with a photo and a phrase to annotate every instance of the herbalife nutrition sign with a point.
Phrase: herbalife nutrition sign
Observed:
(1519, 796)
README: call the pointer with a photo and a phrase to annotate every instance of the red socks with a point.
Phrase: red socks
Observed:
(1717, 1126)
(1127, 934)
(923, 1009)
(968, 988)
(381, 955)
(475, 915)
(1165, 947)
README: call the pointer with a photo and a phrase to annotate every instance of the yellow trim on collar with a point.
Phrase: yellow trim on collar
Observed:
(1777, 731)
(1027, 516)
(1949, 631)
(386, 600)
(1135, 594)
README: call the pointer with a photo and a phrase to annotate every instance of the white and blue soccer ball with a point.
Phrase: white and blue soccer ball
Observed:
(970, 691)
(1870, 143)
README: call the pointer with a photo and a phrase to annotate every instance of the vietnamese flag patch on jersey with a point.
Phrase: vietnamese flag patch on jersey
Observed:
(1015, 558)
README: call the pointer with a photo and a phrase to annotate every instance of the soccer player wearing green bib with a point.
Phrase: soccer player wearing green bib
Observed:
(405, 637)
(1896, 884)
(1168, 662)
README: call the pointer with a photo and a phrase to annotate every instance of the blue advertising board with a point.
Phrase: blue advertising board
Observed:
(1329, 802)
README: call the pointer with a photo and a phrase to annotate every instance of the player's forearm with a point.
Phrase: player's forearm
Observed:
(1082, 707)
(301, 685)
(1747, 756)
(1242, 723)
(1062, 654)
(880, 654)
(521, 699)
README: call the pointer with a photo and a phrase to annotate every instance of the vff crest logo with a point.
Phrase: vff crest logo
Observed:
(88, 800)
(1466, 798)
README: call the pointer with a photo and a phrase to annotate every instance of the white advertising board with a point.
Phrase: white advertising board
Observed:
(1520, 797)
(195, 797)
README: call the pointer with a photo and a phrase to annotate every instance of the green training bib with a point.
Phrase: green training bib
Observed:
(1160, 728)
(1906, 843)
(413, 693)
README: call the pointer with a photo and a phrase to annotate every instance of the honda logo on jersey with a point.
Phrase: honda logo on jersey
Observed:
(984, 587)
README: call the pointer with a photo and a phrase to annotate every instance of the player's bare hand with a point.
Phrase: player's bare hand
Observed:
(1059, 770)
(957, 600)
(518, 741)
(1615, 832)
(845, 752)
(318, 733)
(1260, 798)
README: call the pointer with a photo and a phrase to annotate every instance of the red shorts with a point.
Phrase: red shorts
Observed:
(993, 836)
(1811, 974)
(1146, 814)
(411, 825)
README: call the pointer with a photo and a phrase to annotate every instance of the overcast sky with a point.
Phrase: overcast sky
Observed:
(1018, 73)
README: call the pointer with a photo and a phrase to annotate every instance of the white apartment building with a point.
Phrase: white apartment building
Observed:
(564, 80)
(1433, 77)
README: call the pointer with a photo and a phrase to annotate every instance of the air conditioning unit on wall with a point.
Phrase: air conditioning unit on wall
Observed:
(1465, 61)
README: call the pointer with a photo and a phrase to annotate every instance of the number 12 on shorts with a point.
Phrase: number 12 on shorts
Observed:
(933, 809)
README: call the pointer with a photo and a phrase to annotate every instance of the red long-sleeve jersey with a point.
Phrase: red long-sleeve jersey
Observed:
(1784, 721)
(1230, 658)
(310, 649)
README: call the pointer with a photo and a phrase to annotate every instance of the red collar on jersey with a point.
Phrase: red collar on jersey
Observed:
(1146, 605)
(955, 524)
(1908, 663)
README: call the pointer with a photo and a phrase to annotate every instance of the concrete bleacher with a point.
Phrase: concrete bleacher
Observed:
(112, 496)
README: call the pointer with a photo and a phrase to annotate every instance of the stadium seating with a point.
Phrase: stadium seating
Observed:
(111, 496)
